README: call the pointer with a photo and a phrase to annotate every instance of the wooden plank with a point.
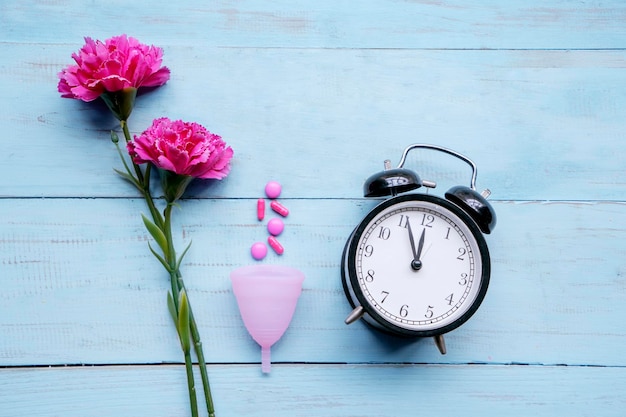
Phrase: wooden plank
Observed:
(326, 23)
(80, 286)
(301, 390)
(316, 95)
(541, 125)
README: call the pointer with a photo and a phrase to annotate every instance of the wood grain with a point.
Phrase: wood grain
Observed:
(317, 95)
(540, 125)
(304, 390)
(95, 294)
(452, 24)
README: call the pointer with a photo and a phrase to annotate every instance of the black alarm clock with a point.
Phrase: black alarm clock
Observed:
(418, 265)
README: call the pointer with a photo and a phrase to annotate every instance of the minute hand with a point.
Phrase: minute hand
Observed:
(420, 246)
(416, 264)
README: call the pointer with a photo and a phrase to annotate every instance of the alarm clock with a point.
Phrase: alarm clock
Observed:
(418, 265)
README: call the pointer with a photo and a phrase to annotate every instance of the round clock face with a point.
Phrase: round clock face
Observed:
(418, 265)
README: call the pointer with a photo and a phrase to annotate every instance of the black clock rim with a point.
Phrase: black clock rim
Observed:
(349, 265)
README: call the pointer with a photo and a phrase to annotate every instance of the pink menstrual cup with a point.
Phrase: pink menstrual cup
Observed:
(267, 296)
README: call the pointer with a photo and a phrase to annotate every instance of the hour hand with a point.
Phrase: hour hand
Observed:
(416, 263)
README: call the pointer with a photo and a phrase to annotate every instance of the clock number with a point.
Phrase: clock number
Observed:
(429, 312)
(404, 221)
(463, 280)
(404, 310)
(385, 294)
(450, 299)
(447, 234)
(370, 276)
(368, 251)
(427, 220)
(462, 252)
(384, 233)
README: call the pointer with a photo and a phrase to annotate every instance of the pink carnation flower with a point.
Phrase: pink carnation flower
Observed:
(182, 148)
(118, 63)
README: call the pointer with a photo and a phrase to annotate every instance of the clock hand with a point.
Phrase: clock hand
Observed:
(416, 264)
(413, 251)
(420, 246)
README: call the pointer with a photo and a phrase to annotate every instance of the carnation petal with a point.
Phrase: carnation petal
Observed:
(219, 167)
(113, 83)
(157, 78)
(64, 88)
(164, 163)
(85, 94)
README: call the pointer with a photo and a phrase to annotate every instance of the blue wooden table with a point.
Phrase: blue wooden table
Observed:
(316, 95)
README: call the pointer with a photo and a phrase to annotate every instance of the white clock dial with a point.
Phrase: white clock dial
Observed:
(418, 265)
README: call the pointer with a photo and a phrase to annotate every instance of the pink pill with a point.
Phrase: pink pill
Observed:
(258, 250)
(279, 208)
(275, 227)
(273, 189)
(260, 209)
(275, 244)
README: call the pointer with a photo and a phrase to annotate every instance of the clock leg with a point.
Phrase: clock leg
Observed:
(356, 314)
(441, 344)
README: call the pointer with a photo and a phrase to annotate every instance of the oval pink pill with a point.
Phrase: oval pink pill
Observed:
(275, 227)
(279, 208)
(273, 189)
(258, 250)
(275, 244)
(260, 209)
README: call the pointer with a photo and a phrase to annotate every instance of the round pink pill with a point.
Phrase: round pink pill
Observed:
(273, 189)
(275, 226)
(258, 250)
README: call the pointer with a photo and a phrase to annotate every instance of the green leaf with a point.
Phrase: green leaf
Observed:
(180, 259)
(172, 308)
(160, 258)
(157, 234)
(129, 178)
(183, 321)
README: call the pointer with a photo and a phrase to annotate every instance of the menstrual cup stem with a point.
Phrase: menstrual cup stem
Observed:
(266, 362)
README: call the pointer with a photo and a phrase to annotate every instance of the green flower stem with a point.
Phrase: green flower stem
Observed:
(177, 285)
(175, 278)
(176, 281)
(171, 258)
(197, 344)
(156, 215)
(144, 180)
(138, 172)
(191, 385)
